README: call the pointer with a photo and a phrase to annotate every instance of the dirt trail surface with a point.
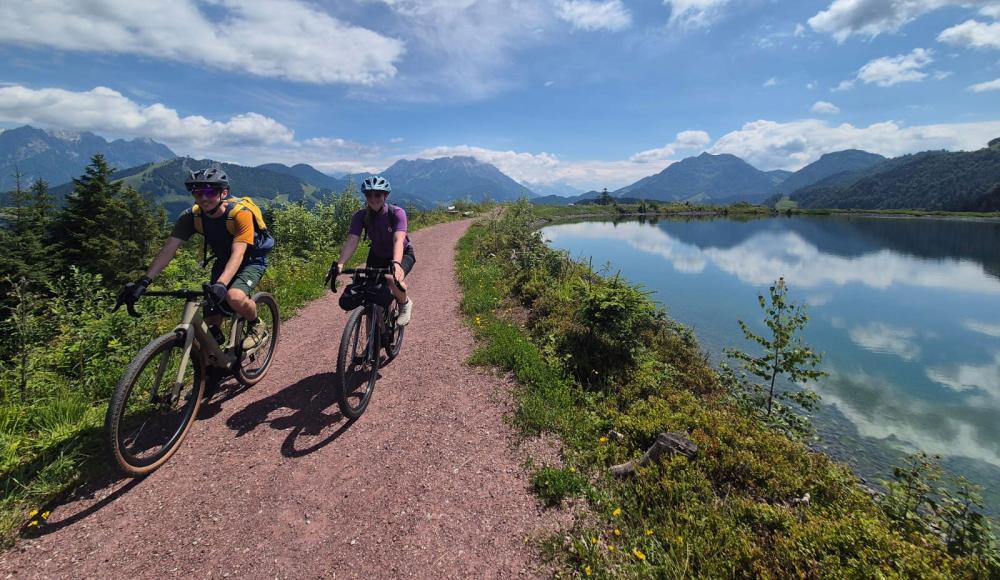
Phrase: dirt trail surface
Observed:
(273, 482)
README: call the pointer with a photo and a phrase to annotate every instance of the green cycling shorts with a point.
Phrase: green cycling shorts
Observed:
(247, 278)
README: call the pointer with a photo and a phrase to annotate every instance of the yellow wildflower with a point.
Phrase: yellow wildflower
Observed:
(45, 515)
(611, 548)
(33, 523)
(586, 570)
(33, 513)
(649, 532)
(593, 540)
(638, 554)
(618, 532)
(680, 540)
(572, 470)
(603, 439)
(617, 512)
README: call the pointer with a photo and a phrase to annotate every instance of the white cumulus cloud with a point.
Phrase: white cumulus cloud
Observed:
(104, 109)
(972, 34)
(594, 15)
(870, 18)
(694, 13)
(772, 145)
(825, 107)
(993, 85)
(288, 39)
(888, 71)
(684, 140)
(771, 82)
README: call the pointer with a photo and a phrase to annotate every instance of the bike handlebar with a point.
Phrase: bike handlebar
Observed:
(186, 294)
(366, 272)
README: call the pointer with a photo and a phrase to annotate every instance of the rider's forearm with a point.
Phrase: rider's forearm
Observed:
(398, 244)
(350, 245)
(166, 253)
(233, 264)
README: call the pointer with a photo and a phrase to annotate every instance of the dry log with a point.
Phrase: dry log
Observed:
(666, 444)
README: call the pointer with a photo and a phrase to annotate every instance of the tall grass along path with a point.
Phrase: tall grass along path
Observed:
(274, 482)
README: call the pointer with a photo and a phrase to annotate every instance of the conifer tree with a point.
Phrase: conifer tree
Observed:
(106, 228)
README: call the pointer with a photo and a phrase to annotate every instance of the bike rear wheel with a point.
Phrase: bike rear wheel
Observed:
(254, 363)
(151, 412)
(357, 363)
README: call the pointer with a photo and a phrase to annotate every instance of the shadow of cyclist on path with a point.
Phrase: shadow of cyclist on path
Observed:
(308, 408)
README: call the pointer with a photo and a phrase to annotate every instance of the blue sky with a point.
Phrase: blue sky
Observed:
(591, 93)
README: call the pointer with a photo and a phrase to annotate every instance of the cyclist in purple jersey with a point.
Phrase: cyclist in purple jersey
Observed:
(385, 225)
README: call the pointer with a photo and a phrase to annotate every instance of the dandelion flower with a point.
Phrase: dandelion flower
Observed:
(586, 570)
(603, 439)
(638, 554)
(649, 532)
(617, 512)
(618, 532)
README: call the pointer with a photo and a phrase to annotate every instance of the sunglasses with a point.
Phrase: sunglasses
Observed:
(207, 192)
(374, 193)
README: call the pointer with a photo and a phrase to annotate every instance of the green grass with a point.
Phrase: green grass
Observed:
(733, 511)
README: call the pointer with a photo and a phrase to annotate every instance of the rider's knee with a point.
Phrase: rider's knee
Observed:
(235, 296)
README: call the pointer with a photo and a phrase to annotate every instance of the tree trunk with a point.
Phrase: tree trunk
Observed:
(666, 443)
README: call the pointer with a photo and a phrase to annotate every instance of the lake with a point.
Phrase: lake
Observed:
(906, 310)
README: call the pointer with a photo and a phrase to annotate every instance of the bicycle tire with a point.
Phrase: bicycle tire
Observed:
(396, 345)
(252, 368)
(357, 334)
(118, 426)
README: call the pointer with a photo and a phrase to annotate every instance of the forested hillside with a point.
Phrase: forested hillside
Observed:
(932, 180)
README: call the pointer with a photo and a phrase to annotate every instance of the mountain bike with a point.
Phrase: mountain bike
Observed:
(157, 398)
(371, 328)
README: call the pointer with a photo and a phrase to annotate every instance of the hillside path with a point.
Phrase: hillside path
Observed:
(273, 483)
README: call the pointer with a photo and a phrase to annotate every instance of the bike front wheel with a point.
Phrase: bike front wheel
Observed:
(357, 363)
(395, 332)
(255, 360)
(151, 411)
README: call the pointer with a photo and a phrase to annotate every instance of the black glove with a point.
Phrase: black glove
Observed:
(132, 291)
(218, 292)
(331, 276)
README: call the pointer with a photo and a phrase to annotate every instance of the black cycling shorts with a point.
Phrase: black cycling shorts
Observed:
(409, 259)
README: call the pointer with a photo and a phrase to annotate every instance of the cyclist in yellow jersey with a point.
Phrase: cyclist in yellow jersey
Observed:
(240, 257)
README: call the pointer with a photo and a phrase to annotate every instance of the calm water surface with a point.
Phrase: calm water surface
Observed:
(906, 310)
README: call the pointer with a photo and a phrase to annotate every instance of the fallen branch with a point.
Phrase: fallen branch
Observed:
(666, 443)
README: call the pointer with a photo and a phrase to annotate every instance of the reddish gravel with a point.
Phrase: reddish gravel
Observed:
(272, 482)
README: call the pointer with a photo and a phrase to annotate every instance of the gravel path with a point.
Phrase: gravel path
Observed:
(273, 482)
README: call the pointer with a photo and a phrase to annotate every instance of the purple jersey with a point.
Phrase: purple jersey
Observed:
(381, 229)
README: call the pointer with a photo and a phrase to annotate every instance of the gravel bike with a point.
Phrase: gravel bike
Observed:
(158, 396)
(371, 328)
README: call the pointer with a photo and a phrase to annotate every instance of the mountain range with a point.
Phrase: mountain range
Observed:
(706, 178)
(851, 178)
(59, 156)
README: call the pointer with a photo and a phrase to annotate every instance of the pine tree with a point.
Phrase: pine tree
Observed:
(82, 231)
(28, 254)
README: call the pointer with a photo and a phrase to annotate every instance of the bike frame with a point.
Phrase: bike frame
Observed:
(193, 326)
